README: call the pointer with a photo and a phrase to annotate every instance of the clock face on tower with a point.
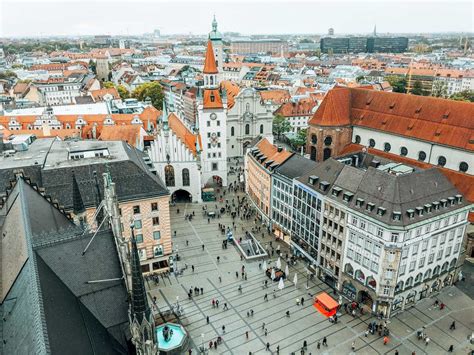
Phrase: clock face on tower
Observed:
(213, 116)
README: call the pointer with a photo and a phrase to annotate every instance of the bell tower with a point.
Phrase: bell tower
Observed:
(216, 39)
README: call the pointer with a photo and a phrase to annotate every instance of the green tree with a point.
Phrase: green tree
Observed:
(123, 92)
(153, 90)
(398, 83)
(93, 66)
(280, 125)
(300, 139)
(465, 95)
(440, 89)
(360, 78)
(417, 88)
(108, 84)
(8, 74)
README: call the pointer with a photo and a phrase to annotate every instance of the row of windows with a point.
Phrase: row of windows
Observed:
(327, 140)
(136, 208)
(247, 130)
(169, 176)
(463, 166)
(138, 223)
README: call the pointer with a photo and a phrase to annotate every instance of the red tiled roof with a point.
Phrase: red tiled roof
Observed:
(232, 90)
(271, 152)
(276, 96)
(442, 121)
(183, 133)
(212, 99)
(127, 133)
(98, 95)
(210, 66)
(300, 108)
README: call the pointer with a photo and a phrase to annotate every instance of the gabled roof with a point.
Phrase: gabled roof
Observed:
(212, 99)
(232, 90)
(126, 133)
(210, 66)
(441, 121)
(183, 133)
(271, 152)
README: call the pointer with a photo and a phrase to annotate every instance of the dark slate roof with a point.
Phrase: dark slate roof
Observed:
(65, 314)
(327, 171)
(295, 166)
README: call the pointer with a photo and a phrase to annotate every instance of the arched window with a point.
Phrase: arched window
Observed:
(418, 278)
(463, 166)
(185, 176)
(359, 275)
(371, 143)
(326, 153)
(399, 287)
(427, 274)
(441, 160)
(314, 139)
(261, 129)
(357, 139)
(409, 282)
(453, 263)
(169, 175)
(247, 129)
(349, 269)
(403, 151)
(328, 140)
(371, 282)
(421, 155)
(232, 131)
(436, 271)
(444, 267)
(212, 80)
(387, 147)
(313, 153)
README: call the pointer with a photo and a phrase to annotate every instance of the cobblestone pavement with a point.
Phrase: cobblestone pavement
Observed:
(304, 323)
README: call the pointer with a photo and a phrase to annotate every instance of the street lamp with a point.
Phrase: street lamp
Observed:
(307, 278)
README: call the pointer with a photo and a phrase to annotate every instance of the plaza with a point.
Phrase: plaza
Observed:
(304, 322)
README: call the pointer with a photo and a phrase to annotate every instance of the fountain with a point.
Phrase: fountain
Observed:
(172, 338)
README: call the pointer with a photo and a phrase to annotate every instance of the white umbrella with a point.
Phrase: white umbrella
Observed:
(287, 272)
(265, 266)
(278, 263)
(281, 284)
(273, 274)
(295, 279)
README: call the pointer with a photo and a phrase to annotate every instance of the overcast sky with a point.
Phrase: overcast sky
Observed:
(71, 17)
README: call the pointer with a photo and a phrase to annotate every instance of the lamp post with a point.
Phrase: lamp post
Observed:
(202, 343)
(307, 278)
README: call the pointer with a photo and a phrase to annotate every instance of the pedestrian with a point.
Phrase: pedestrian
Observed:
(325, 342)
(302, 301)
(220, 279)
(278, 349)
(266, 332)
(247, 334)
(223, 329)
(213, 302)
(265, 298)
(260, 266)
(385, 340)
(217, 303)
(251, 312)
(215, 344)
(396, 352)
(353, 346)
(210, 344)
(305, 344)
(268, 346)
(245, 276)
(189, 351)
(451, 349)
(237, 274)
(453, 325)
(318, 346)
(225, 306)
(192, 267)
(187, 242)
(218, 259)
(202, 247)
(202, 290)
(263, 325)
(427, 341)
(240, 288)
(207, 319)
(248, 314)
(441, 306)
(366, 334)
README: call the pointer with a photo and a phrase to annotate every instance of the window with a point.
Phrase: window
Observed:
(139, 238)
(247, 129)
(441, 160)
(169, 175)
(463, 166)
(414, 249)
(156, 221)
(412, 265)
(137, 224)
(362, 225)
(386, 290)
(380, 232)
(261, 129)
(214, 167)
(158, 251)
(424, 245)
(142, 254)
(391, 256)
(389, 274)
(431, 258)
(403, 151)
(404, 253)
(357, 139)
(154, 206)
(387, 147)
(208, 123)
(314, 139)
(185, 176)
(422, 262)
(156, 235)
(328, 140)
(136, 209)
(371, 143)
(421, 155)
(394, 238)
(232, 131)
(402, 269)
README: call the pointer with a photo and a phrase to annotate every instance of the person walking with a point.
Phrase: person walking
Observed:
(202, 247)
(237, 274)
(263, 325)
(318, 346)
(213, 302)
(247, 334)
(325, 342)
(223, 329)
(302, 301)
(451, 349)
(207, 319)
(385, 340)
(305, 344)
(278, 349)
(268, 346)
(453, 325)
(265, 298)
(217, 303)
(266, 332)
(353, 346)
(218, 259)
(251, 312)
(427, 341)
(225, 306)
(220, 279)
(192, 267)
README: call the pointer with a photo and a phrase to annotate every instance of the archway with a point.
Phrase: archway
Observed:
(181, 196)
(365, 298)
(214, 182)
(326, 153)
(313, 153)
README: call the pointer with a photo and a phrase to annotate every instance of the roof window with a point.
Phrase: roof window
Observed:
(336, 191)
(381, 211)
(419, 211)
(313, 179)
(370, 206)
(458, 198)
(396, 216)
(347, 196)
(411, 213)
(359, 202)
(323, 185)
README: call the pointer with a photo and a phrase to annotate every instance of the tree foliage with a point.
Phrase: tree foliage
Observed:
(417, 88)
(152, 90)
(399, 84)
(7, 74)
(300, 139)
(440, 89)
(93, 66)
(465, 95)
(123, 92)
(280, 125)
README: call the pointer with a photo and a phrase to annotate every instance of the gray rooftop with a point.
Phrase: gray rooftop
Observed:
(295, 166)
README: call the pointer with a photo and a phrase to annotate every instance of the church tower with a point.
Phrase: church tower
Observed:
(216, 39)
(212, 116)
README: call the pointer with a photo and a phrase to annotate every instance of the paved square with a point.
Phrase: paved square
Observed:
(304, 323)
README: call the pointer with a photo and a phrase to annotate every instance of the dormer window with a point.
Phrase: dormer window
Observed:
(313, 179)
(435, 205)
(444, 202)
(411, 213)
(323, 185)
(451, 200)
(381, 211)
(370, 206)
(212, 98)
(336, 191)
(347, 197)
(419, 211)
(427, 208)
(397, 216)
(458, 198)
(359, 202)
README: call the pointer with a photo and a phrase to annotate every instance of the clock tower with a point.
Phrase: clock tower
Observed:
(212, 119)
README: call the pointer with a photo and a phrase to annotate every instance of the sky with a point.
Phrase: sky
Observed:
(29, 18)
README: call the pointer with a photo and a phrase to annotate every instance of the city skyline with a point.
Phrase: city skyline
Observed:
(53, 18)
